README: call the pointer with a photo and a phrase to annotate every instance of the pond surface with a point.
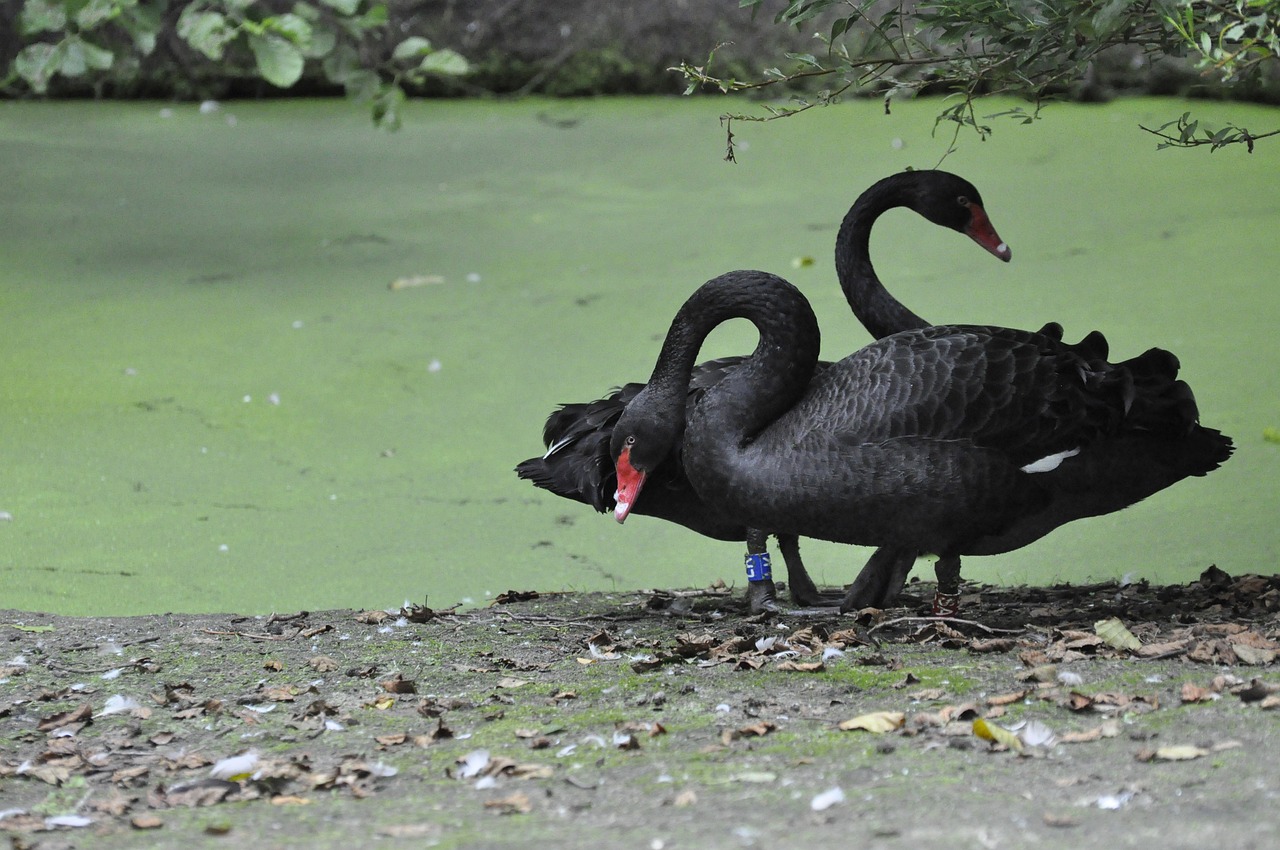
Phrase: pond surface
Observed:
(213, 400)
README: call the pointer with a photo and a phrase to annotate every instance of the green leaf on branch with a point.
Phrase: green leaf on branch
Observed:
(279, 61)
(42, 16)
(1110, 15)
(346, 7)
(37, 63)
(386, 107)
(375, 17)
(445, 62)
(805, 59)
(74, 63)
(208, 32)
(321, 44)
(411, 48)
(293, 27)
(98, 11)
(95, 58)
(143, 25)
(339, 65)
(361, 84)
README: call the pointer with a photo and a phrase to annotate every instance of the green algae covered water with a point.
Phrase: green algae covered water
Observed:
(267, 358)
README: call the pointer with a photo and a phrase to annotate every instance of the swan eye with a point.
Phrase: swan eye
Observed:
(963, 201)
(631, 440)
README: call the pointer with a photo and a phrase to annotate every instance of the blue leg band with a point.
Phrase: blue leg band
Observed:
(758, 567)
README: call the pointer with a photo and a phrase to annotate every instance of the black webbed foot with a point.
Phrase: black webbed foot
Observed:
(881, 580)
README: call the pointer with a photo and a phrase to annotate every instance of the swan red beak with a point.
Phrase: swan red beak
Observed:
(630, 480)
(981, 231)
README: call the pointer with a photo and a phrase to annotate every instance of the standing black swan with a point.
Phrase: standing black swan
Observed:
(945, 440)
(577, 464)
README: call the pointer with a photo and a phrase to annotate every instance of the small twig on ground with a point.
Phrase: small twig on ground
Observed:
(251, 635)
(716, 592)
(82, 647)
(950, 621)
(1173, 653)
(93, 671)
(547, 618)
(286, 618)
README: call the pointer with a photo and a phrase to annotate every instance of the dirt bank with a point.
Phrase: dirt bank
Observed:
(653, 721)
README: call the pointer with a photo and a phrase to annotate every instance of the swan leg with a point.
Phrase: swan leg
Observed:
(762, 593)
(881, 580)
(803, 591)
(946, 600)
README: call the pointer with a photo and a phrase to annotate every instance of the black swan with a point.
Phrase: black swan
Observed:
(577, 464)
(945, 440)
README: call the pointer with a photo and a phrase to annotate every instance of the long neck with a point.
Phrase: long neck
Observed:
(880, 313)
(766, 383)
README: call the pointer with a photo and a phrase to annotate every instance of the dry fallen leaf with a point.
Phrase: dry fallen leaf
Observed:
(115, 805)
(289, 800)
(992, 645)
(80, 714)
(1163, 650)
(510, 682)
(878, 722)
(1109, 729)
(322, 664)
(397, 684)
(801, 666)
(1007, 699)
(1116, 634)
(281, 693)
(1258, 657)
(760, 729)
(128, 775)
(517, 803)
(1179, 753)
(1194, 693)
(927, 694)
(204, 792)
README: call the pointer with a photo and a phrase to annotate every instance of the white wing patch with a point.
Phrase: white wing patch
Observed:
(557, 446)
(1051, 462)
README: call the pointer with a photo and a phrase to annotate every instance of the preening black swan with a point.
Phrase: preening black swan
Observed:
(577, 464)
(945, 440)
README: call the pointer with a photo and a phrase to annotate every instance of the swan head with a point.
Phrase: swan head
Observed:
(630, 481)
(644, 436)
(951, 201)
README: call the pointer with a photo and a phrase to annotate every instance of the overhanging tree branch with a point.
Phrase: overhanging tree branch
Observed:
(978, 48)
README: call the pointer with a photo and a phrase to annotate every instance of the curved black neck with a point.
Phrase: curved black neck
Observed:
(765, 384)
(880, 313)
